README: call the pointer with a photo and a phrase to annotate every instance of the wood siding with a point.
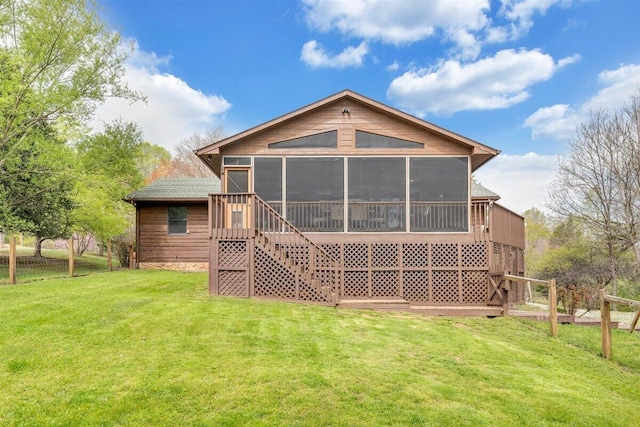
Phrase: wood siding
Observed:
(360, 117)
(507, 227)
(156, 245)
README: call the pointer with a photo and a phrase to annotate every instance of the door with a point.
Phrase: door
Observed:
(238, 206)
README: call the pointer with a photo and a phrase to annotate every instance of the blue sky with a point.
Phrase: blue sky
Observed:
(517, 75)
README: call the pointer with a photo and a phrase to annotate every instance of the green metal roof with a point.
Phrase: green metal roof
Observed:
(176, 189)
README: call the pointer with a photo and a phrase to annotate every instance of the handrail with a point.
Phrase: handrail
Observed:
(278, 234)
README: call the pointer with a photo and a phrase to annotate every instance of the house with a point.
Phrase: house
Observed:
(172, 229)
(350, 201)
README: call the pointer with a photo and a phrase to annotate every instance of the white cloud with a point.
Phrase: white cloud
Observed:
(520, 15)
(466, 24)
(173, 111)
(522, 181)
(314, 55)
(560, 121)
(395, 66)
(491, 83)
(401, 22)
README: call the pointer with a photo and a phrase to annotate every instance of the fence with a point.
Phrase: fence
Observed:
(605, 313)
(19, 262)
(551, 286)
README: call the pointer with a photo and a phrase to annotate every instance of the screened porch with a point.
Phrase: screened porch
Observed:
(365, 194)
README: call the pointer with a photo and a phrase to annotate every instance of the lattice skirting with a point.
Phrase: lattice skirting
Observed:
(421, 273)
(429, 273)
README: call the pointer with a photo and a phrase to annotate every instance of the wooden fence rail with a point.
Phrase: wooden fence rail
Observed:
(553, 303)
(605, 314)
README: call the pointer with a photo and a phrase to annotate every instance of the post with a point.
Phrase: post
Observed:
(109, 260)
(12, 260)
(506, 288)
(71, 260)
(605, 315)
(553, 309)
(131, 263)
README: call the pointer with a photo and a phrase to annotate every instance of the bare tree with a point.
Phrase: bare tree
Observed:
(186, 163)
(599, 180)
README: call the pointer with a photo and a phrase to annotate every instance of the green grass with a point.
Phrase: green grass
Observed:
(151, 348)
(52, 264)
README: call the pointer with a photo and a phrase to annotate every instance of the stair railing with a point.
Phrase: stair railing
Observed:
(245, 215)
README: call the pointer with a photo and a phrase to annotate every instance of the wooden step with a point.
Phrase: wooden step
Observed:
(456, 311)
(375, 304)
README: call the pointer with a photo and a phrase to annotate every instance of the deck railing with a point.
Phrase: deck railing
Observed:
(434, 217)
(246, 215)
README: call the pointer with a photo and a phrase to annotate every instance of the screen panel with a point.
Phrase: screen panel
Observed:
(315, 178)
(267, 178)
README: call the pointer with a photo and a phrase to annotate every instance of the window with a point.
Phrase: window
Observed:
(237, 161)
(237, 180)
(320, 140)
(371, 140)
(177, 223)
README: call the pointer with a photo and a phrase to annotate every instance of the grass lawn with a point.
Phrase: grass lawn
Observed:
(151, 348)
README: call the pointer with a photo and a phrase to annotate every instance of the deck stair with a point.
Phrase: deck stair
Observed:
(315, 271)
(293, 265)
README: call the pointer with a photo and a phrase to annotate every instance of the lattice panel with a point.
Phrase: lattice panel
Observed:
(415, 254)
(520, 261)
(474, 287)
(384, 255)
(299, 253)
(333, 249)
(356, 255)
(308, 293)
(444, 255)
(497, 257)
(356, 284)
(516, 294)
(272, 279)
(384, 284)
(474, 254)
(445, 287)
(416, 286)
(232, 254)
(328, 278)
(232, 283)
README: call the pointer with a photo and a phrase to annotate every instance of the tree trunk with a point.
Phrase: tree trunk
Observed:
(614, 273)
(38, 247)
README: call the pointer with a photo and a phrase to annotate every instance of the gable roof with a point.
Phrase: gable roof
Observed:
(175, 189)
(481, 153)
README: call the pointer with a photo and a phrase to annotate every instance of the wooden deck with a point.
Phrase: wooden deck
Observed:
(262, 254)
